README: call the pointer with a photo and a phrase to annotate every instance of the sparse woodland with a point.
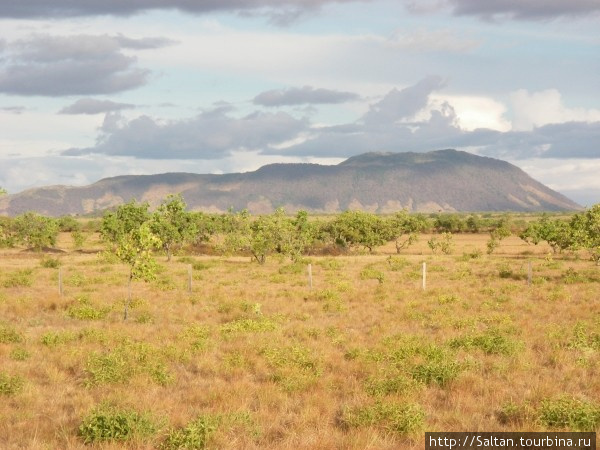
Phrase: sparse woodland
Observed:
(180, 329)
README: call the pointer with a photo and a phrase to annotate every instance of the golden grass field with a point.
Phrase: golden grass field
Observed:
(254, 359)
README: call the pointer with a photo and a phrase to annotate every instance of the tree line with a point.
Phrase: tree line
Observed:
(132, 230)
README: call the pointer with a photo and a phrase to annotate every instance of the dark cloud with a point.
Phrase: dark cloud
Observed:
(280, 11)
(94, 106)
(211, 135)
(303, 96)
(563, 140)
(73, 65)
(511, 9)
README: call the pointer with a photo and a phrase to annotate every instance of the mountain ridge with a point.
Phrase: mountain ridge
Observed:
(446, 180)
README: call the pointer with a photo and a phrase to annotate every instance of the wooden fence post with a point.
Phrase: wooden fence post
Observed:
(60, 282)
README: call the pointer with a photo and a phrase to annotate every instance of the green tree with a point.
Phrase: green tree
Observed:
(557, 233)
(403, 229)
(129, 236)
(352, 229)
(268, 234)
(585, 231)
(134, 249)
(498, 233)
(3, 191)
(121, 222)
(7, 232)
(35, 230)
(172, 224)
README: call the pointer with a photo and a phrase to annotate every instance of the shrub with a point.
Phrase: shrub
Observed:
(436, 372)
(10, 385)
(85, 311)
(50, 263)
(396, 384)
(19, 278)
(396, 418)
(262, 325)
(52, 339)
(108, 423)
(113, 367)
(9, 335)
(371, 274)
(570, 413)
(194, 435)
(513, 414)
(19, 354)
(491, 342)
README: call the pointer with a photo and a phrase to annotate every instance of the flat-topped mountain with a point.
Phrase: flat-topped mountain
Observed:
(446, 180)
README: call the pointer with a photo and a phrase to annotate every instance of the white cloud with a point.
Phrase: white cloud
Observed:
(476, 111)
(531, 110)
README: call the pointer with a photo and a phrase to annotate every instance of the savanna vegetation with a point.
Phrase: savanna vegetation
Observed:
(245, 354)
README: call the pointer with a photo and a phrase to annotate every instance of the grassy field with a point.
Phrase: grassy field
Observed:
(253, 359)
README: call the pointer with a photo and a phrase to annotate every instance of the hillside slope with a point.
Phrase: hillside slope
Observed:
(446, 180)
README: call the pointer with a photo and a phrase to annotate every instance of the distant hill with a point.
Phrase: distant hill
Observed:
(446, 180)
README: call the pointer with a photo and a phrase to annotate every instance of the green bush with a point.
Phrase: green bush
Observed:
(50, 263)
(85, 311)
(52, 338)
(10, 385)
(194, 435)
(396, 418)
(18, 278)
(369, 273)
(396, 384)
(492, 342)
(19, 354)
(8, 335)
(570, 413)
(107, 423)
(436, 372)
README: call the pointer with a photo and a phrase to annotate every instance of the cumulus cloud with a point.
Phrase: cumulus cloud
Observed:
(303, 96)
(545, 107)
(280, 11)
(403, 104)
(390, 125)
(211, 135)
(72, 65)
(509, 9)
(409, 119)
(94, 106)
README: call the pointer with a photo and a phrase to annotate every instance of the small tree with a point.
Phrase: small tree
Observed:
(35, 231)
(121, 222)
(3, 191)
(7, 232)
(585, 229)
(172, 224)
(357, 229)
(129, 236)
(498, 233)
(403, 229)
(557, 233)
(135, 250)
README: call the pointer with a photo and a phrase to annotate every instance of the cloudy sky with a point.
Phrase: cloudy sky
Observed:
(97, 88)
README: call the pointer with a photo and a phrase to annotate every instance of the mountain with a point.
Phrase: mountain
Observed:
(446, 180)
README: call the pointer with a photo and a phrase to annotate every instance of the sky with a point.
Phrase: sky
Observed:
(97, 88)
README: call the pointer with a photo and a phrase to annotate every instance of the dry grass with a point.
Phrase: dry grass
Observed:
(254, 359)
